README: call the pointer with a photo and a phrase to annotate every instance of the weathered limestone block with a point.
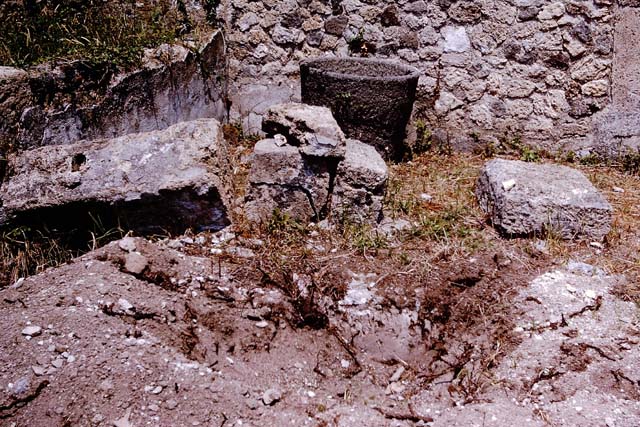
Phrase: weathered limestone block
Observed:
(311, 128)
(526, 198)
(360, 185)
(281, 177)
(176, 178)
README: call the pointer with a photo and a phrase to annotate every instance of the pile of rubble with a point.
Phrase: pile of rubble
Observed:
(308, 170)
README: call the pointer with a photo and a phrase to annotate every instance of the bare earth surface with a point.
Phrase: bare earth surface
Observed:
(140, 334)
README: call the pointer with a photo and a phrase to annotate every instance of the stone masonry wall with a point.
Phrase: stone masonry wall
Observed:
(538, 70)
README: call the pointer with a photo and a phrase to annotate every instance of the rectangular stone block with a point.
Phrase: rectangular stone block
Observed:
(527, 198)
(173, 179)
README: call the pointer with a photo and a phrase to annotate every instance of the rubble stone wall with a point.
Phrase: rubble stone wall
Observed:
(537, 70)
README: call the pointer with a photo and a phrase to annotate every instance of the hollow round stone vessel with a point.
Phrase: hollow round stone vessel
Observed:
(371, 99)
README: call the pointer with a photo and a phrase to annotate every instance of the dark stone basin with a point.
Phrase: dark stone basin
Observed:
(371, 99)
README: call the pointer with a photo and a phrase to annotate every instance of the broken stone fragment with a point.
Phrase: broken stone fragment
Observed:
(313, 129)
(162, 180)
(282, 178)
(32, 331)
(526, 198)
(360, 185)
(135, 263)
(271, 396)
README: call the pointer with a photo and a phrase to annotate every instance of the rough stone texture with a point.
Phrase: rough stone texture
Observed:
(284, 177)
(73, 102)
(617, 129)
(370, 99)
(175, 178)
(484, 54)
(311, 128)
(16, 96)
(360, 185)
(281, 177)
(525, 198)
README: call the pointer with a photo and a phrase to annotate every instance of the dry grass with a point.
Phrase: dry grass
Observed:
(114, 32)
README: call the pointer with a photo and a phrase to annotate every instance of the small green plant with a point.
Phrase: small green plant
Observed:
(529, 154)
(358, 44)
(514, 146)
(631, 162)
(590, 159)
(364, 238)
(281, 223)
(569, 157)
(404, 258)
(423, 138)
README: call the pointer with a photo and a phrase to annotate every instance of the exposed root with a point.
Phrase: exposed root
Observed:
(9, 409)
(403, 416)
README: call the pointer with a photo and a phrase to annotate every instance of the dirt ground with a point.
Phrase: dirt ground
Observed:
(441, 323)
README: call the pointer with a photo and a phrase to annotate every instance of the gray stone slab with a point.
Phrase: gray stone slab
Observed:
(180, 173)
(527, 198)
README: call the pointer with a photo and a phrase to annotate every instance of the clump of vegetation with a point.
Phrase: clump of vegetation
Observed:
(359, 45)
(94, 30)
(30, 249)
(631, 162)
(513, 146)
(423, 141)
(363, 237)
(282, 224)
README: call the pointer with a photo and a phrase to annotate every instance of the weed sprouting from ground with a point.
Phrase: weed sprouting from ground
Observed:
(363, 237)
(631, 162)
(513, 146)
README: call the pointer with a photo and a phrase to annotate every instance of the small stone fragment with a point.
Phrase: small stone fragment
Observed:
(252, 403)
(32, 331)
(57, 363)
(156, 390)
(271, 396)
(280, 140)
(135, 263)
(508, 185)
(124, 421)
(397, 374)
(128, 244)
(38, 370)
(171, 404)
(125, 305)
